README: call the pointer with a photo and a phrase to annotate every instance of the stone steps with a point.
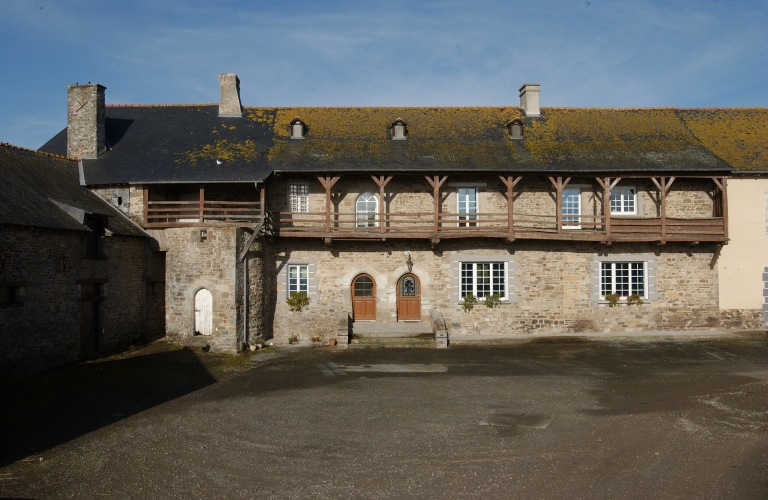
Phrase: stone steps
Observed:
(410, 334)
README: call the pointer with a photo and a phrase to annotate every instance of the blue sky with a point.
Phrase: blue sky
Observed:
(705, 53)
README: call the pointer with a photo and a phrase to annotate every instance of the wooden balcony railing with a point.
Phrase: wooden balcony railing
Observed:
(163, 214)
(496, 225)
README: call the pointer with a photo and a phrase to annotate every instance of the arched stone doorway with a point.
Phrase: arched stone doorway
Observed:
(409, 298)
(203, 312)
(363, 298)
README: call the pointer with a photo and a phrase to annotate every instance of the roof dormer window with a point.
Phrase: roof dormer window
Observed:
(399, 130)
(298, 129)
(515, 128)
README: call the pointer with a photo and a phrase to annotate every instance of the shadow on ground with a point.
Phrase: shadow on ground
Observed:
(44, 409)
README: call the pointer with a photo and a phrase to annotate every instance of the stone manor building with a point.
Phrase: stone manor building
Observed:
(406, 218)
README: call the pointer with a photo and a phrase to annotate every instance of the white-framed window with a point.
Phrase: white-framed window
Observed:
(366, 210)
(571, 210)
(623, 279)
(466, 205)
(298, 279)
(298, 196)
(482, 279)
(624, 200)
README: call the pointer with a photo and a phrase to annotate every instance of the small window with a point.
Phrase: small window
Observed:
(399, 130)
(10, 295)
(482, 279)
(119, 200)
(298, 279)
(623, 279)
(466, 205)
(366, 210)
(96, 224)
(571, 208)
(515, 129)
(623, 200)
(298, 129)
(298, 196)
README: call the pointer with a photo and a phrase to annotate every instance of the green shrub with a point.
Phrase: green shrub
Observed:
(634, 299)
(297, 301)
(612, 299)
(492, 301)
(469, 302)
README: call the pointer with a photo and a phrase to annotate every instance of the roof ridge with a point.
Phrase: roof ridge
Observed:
(52, 155)
(159, 105)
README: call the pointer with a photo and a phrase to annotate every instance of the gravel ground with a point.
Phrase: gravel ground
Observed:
(662, 419)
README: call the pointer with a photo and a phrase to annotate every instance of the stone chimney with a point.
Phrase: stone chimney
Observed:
(230, 96)
(85, 120)
(529, 99)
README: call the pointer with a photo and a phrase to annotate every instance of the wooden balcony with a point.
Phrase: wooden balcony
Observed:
(494, 225)
(164, 214)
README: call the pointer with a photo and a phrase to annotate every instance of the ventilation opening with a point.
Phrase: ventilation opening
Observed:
(515, 128)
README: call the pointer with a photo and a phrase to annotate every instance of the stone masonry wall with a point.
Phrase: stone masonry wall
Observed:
(192, 264)
(118, 197)
(49, 269)
(554, 286)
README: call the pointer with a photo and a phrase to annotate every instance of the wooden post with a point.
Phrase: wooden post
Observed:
(559, 185)
(381, 182)
(723, 187)
(607, 185)
(436, 182)
(262, 200)
(146, 205)
(328, 183)
(201, 208)
(663, 190)
(510, 182)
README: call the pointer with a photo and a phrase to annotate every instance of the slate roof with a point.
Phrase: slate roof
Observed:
(163, 144)
(32, 185)
(175, 144)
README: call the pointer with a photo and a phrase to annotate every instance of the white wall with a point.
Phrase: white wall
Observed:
(743, 260)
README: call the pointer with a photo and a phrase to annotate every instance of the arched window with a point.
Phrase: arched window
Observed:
(366, 210)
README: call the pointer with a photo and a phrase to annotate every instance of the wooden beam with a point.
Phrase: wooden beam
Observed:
(202, 202)
(250, 240)
(146, 205)
(724, 201)
(381, 182)
(436, 183)
(510, 182)
(328, 183)
(715, 256)
(262, 201)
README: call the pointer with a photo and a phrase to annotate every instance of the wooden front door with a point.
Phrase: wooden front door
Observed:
(364, 298)
(409, 298)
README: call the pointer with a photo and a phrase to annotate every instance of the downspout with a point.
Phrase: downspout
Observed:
(245, 302)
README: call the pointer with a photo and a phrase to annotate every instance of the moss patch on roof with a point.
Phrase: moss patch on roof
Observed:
(738, 136)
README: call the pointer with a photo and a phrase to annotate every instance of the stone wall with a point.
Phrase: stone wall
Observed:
(119, 197)
(193, 264)
(48, 270)
(554, 284)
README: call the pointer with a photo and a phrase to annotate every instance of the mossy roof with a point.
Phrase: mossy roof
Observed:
(738, 136)
(37, 187)
(192, 144)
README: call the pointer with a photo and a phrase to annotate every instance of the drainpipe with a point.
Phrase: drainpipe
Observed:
(245, 302)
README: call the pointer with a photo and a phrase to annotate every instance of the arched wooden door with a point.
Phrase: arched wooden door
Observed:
(409, 298)
(364, 298)
(203, 312)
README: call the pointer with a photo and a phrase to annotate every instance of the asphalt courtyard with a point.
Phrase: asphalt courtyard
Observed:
(550, 419)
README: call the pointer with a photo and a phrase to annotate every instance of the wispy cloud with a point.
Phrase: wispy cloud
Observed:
(596, 53)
